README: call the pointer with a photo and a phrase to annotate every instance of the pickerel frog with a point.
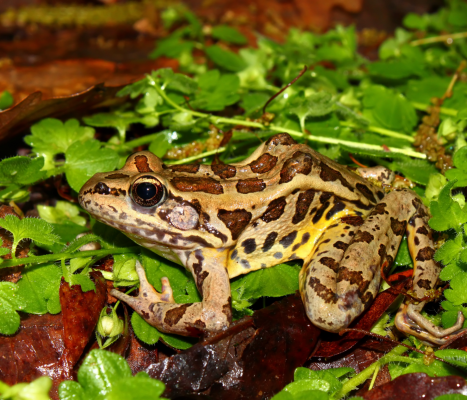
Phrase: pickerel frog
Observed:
(284, 202)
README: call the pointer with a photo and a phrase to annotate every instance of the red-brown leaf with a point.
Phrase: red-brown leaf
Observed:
(80, 313)
(254, 359)
(417, 386)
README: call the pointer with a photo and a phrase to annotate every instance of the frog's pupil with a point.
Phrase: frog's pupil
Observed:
(146, 190)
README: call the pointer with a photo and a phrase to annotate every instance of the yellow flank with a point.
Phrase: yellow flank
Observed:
(299, 249)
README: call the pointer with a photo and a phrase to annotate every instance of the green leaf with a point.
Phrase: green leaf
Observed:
(78, 263)
(334, 53)
(17, 172)
(163, 143)
(450, 250)
(10, 302)
(315, 105)
(173, 81)
(447, 213)
(14, 193)
(396, 69)
(67, 233)
(84, 159)
(84, 281)
(71, 390)
(63, 212)
(38, 285)
(139, 387)
(390, 110)
(253, 102)
(225, 58)
(457, 14)
(307, 374)
(6, 100)
(178, 342)
(436, 182)
(278, 281)
(149, 102)
(51, 137)
(415, 21)
(135, 89)
(460, 172)
(97, 374)
(330, 79)
(145, 332)
(172, 47)
(403, 256)
(258, 62)
(21, 170)
(422, 90)
(124, 271)
(217, 91)
(120, 122)
(312, 388)
(457, 294)
(416, 170)
(36, 390)
(28, 228)
(454, 356)
(228, 34)
(453, 396)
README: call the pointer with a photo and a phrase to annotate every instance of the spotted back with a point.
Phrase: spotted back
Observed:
(266, 209)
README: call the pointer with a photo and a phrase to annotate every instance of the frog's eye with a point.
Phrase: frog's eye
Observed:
(147, 191)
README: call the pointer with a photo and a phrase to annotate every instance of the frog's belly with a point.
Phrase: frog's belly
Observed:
(270, 244)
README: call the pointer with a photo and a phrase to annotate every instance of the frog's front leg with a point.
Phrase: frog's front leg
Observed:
(160, 310)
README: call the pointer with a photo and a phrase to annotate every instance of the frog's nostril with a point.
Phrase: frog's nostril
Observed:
(101, 188)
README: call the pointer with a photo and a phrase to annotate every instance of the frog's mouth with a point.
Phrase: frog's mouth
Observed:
(155, 236)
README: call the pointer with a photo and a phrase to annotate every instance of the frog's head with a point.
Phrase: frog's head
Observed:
(139, 201)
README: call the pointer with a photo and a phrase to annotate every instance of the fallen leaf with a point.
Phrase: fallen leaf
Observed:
(80, 313)
(254, 359)
(417, 386)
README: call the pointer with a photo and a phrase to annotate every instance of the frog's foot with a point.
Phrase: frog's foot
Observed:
(411, 322)
(147, 294)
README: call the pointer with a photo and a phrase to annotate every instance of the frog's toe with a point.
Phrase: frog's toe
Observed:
(411, 322)
(147, 292)
(167, 293)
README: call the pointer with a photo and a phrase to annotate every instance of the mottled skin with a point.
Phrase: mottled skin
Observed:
(284, 202)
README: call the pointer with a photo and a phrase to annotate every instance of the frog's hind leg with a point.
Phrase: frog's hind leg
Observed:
(426, 272)
(334, 293)
(342, 277)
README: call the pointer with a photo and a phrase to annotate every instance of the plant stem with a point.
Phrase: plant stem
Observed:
(393, 356)
(355, 145)
(375, 374)
(441, 38)
(64, 256)
(197, 156)
(320, 139)
(142, 140)
(377, 129)
(233, 121)
(443, 110)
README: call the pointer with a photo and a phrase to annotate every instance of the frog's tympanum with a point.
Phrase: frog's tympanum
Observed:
(284, 202)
